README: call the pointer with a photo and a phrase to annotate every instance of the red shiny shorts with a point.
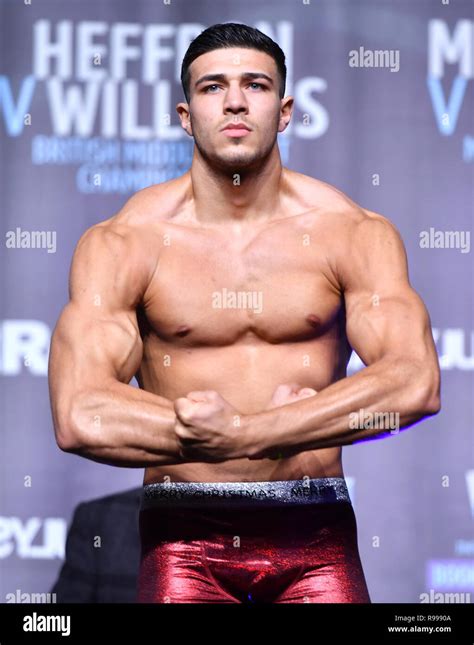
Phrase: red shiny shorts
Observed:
(250, 542)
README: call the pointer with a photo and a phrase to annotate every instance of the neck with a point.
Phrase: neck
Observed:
(223, 195)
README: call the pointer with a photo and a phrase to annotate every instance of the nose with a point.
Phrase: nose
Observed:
(235, 101)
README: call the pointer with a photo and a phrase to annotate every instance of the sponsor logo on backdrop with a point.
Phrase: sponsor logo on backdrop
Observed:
(455, 574)
(34, 538)
(448, 46)
(455, 350)
(111, 91)
(24, 347)
(450, 575)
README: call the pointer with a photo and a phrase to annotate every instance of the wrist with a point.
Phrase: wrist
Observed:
(254, 435)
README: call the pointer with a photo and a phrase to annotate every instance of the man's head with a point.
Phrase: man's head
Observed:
(227, 35)
(232, 73)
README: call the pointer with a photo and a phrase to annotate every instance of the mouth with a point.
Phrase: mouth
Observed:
(236, 130)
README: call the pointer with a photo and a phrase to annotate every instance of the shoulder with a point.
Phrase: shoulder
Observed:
(370, 249)
(143, 212)
(359, 240)
(111, 252)
(317, 195)
(158, 203)
(340, 211)
(129, 237)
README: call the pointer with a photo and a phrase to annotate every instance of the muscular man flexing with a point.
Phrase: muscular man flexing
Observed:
(235, 294)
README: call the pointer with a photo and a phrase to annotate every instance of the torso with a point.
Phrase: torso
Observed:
(291, 329)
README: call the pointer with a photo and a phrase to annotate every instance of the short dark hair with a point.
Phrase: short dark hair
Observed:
(231, 34)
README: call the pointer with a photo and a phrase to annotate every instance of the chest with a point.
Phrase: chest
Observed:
(216, 289)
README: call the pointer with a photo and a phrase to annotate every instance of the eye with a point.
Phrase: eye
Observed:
(209, 87)
(259, 85)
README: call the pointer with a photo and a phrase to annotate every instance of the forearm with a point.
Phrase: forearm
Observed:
(121, 425)
(390, 393)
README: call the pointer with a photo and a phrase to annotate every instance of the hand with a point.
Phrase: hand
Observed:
(207, 427)
(283, 395)
(289, 393)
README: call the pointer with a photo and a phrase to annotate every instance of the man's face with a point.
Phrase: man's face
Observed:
(222, 92)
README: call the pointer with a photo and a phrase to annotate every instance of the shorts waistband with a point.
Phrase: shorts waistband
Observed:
(323, 490)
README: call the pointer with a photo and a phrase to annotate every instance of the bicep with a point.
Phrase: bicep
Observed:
(384, 314)
(388, 323)
(96, 338)
(89, 348)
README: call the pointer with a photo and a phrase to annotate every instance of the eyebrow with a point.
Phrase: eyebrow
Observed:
(223, 77)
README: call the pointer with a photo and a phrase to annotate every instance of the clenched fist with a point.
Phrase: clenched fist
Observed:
(208, 428)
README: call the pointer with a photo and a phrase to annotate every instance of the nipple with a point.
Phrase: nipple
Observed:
(183, 331)
(313, 320)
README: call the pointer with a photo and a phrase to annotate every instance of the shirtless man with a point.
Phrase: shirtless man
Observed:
(234, 294)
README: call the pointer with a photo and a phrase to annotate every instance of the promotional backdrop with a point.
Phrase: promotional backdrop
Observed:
(384, 111)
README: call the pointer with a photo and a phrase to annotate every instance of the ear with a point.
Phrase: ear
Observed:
(286, 110)
(184, 116)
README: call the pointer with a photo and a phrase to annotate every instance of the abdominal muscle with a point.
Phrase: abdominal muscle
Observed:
(252, 394)
(311, 463)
